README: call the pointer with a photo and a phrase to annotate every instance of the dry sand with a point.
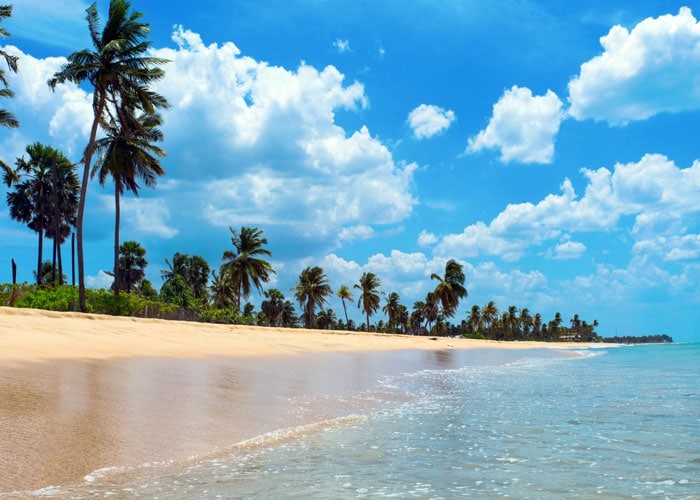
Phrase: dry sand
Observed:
(29, 334)
(83, 392)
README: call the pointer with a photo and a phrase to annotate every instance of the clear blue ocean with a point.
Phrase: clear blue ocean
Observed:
(614, 423)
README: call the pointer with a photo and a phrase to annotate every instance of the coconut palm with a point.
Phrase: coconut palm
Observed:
(273, 306)
(245, 266)
(369, 294)
(474, 320)
(120, 72)
(193, 272)
(311, 291)
(489, 314)
(222, 289)
(392, 309)
(44, 195)
(127, 155)
(345, 293)
(7, 119)
(450, 288)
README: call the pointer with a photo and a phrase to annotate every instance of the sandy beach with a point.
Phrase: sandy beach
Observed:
(80, 393)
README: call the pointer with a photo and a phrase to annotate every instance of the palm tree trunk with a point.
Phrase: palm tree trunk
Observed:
(346, 313)
(100, 98)
(40, 255)
(60, 263)
(117, 215)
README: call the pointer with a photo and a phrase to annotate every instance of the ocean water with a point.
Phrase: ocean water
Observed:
(613, 423)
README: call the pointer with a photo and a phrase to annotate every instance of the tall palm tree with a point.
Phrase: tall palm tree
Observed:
(127, 154)
(120, 72)
(245, 266)
(311, 291)
(450, 288)
(526, 321)
(392, 309)
(345, 293)
(417, 316)
(7, 119)
(43, 195)
(369, 294)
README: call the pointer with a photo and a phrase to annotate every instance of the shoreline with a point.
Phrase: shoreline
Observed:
(82, 393)
(32, 334)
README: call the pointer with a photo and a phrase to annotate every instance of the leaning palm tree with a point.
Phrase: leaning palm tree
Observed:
(450, 288)
(344, 293)
(120, 72)
(369, 294)
(311, 291)
(127, 154)
(245, 266)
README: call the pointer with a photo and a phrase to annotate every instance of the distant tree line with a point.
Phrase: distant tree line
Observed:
(642, 339)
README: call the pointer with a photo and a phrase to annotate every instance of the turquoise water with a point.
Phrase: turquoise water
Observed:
(614, 423)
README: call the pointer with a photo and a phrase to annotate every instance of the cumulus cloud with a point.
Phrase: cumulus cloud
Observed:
(651, 69)
(522, 127)
(272, 153)
(428, 120)
(342, 46)
(567, 250)
(426, 239)
(64, 115)
(654, 191)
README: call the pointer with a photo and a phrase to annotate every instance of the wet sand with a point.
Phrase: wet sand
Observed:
(82, 392)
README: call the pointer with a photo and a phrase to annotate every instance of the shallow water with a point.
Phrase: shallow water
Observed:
(615, 423)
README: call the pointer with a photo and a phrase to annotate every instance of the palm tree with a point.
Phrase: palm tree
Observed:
(450, 288)
(311, 291)
(7, 119)
(185, 271)
(526, 321)
(345, 293)
(474, 320)
(132, 262)
(273, 306)
(403, 318)
(127, 154)
(430, 309)
(222, 289)
(392, 309)
(489, 313)
(417, 317)
(244, 265)
(44, 195)
(369, 294)
(120, 72)
(326, 319)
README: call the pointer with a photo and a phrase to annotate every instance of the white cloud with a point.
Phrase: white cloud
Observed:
(654, 190)
(101, 280)
(342, 46)
(63, 115)
(274, 155)
(429, 120)
(426, 239)
(522, 127)
(568, 250)
(651, 69)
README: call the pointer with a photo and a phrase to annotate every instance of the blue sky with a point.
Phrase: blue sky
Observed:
(550, 147)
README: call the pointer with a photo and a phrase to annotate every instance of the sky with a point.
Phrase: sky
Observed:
(550, 147)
